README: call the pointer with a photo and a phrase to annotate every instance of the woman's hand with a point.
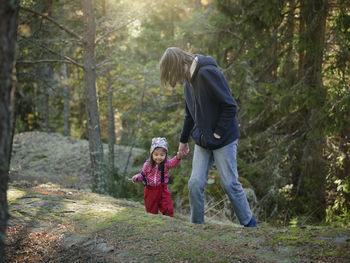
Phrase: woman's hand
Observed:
(183, 148)
(217, 136)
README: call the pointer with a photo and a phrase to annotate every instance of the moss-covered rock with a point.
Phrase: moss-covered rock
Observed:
(50, 157)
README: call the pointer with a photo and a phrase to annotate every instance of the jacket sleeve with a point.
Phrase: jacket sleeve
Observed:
(218, 86)
(173, 162)
(187, 126)
(145, 170)
(139, 178)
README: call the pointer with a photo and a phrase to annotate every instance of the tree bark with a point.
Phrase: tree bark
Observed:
(301, 50)
(66, 128)
(98, 170)
(316, 14)
(311, 181)
(287, 70)
(8, 28)
(111, 131)
(42, 103)
(47, 114)
(110, 112)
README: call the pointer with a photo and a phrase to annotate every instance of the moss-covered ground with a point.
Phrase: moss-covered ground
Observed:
(77, 226)
(51, 222)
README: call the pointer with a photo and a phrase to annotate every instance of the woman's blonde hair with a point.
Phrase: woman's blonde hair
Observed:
(174, 66)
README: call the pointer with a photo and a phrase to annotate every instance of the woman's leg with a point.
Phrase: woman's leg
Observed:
(202, 161)
(226, 163)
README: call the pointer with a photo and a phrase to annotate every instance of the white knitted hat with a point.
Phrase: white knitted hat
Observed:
(159, 142)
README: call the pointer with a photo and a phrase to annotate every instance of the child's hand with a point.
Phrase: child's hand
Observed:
(134, 178)
(179, 155)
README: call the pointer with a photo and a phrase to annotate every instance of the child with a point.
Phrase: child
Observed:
(155, 176)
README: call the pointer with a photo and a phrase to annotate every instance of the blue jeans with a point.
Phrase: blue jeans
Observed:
(226, 163)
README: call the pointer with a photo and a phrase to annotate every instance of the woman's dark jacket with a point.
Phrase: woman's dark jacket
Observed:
(210, 107)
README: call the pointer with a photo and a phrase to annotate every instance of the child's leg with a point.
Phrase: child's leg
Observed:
(165, 202)
(152, 196)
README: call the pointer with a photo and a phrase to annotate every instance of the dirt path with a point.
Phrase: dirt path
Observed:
(53, 224)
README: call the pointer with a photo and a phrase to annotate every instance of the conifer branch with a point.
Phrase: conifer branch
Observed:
(66, 58)
(69, 31)
(44, 61)
(114, 30)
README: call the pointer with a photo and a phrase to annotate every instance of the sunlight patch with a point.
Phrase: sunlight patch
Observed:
(14, 194)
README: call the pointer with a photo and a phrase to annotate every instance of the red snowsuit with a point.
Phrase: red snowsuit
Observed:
(158, 198)
(156, 194)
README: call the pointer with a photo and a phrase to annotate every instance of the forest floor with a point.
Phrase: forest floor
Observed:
(61, 221)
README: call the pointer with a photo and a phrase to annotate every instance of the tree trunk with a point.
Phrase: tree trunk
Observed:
(43, 93)
(8, 27)
(287, 70)
(92, 115)
(301, 50)
(316, 14)
(110, 112)
(312, 178)
(111, 128)
(46, 109)
(66, 128)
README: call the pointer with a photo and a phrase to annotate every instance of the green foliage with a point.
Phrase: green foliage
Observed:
(253, 174)
(294, 131)
(281, 116)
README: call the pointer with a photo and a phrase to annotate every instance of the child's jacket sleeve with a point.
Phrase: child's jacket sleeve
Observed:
(173, 162)
(145, 170)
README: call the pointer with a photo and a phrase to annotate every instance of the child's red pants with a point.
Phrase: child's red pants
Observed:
(158, 198)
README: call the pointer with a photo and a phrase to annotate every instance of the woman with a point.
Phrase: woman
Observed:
(211, 121)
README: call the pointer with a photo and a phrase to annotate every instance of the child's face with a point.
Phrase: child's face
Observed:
(158, 155)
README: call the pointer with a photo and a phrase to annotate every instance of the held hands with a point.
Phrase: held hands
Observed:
(183, 148)
(179, 155)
